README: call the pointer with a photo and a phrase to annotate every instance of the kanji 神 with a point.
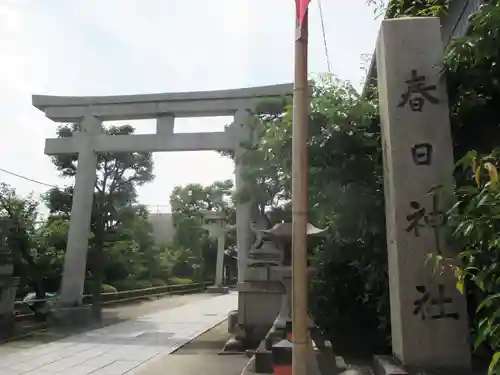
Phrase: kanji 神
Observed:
(436, 218)
(420, 218)
(417, 93)
(417, 219)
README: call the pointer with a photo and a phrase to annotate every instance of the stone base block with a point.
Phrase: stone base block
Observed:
(263, 360)
(232, 322)
(388, 365)
(70, 317)
(218, 289)
(7, 325)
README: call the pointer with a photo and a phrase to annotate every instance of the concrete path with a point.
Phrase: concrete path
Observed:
(112, 314)
(123, 348)
(200, 357)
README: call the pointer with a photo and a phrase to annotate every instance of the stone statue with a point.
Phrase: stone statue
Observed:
(263, 253)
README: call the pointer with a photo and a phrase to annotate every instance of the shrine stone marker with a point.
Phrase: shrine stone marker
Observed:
(428, 313)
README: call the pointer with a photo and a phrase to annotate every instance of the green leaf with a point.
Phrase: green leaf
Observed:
(493, 364)
(487, 301)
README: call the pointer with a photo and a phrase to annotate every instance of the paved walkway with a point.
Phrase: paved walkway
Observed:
(123, 348)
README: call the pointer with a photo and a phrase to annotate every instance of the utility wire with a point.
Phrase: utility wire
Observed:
(159, 207)
(27, 178)
(324, 37)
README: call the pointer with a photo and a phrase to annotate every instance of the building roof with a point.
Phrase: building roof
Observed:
(459, 12)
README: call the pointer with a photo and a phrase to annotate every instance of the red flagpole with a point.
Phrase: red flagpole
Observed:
(300, 339)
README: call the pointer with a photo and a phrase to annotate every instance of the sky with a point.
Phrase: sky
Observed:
(115, 47)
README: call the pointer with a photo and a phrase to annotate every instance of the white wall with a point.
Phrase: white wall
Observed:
(163, 227)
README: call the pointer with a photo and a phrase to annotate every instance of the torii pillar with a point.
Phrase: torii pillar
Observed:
(217, 229)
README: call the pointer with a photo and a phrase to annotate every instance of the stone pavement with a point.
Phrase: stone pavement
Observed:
(123, 348)
(200, 357)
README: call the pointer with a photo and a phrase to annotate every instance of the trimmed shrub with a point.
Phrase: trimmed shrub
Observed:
(158, 282)
(143, 284)
(106, 288)
(180, 281)
(127, 284)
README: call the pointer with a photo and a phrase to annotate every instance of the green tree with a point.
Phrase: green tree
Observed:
(34, 262)
(198, 252)
(349, 293)
(132, 251)
(118, 175)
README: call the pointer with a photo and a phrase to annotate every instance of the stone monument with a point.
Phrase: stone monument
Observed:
(428, 313)
(215, 223)
(8, 284)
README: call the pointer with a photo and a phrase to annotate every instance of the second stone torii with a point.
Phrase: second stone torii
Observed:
(215, 224)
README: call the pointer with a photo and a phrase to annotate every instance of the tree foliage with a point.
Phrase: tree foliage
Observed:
(349, 291)
(36, 262)
(118, 175)
(196, 252)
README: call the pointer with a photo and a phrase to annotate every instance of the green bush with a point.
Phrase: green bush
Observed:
(106, 288)
(127, 284)
(180, 281)
(143, 284)
(475, 220)
(158, 282)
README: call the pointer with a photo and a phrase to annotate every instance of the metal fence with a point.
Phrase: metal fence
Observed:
(22, 310)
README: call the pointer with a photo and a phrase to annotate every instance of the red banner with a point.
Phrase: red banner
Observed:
(301, 6)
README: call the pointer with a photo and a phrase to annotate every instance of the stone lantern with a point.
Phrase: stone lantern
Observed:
(272, 254)
(268, 281)
(8, 285)
(281, 237)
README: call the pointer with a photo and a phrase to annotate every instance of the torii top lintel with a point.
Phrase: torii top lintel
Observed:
(148, 106)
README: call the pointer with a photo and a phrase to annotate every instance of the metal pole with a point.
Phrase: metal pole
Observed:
(300, 338)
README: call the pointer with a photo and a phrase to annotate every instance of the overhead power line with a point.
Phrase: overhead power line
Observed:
(28, 179)
(158, 207)
(324, 37)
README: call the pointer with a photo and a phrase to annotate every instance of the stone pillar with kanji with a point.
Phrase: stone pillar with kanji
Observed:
(428, 313)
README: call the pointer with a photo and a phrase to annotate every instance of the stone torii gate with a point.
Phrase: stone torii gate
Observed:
(90, 112)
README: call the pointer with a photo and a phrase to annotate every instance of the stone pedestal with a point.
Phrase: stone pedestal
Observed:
(428, 314)
(258, 308)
